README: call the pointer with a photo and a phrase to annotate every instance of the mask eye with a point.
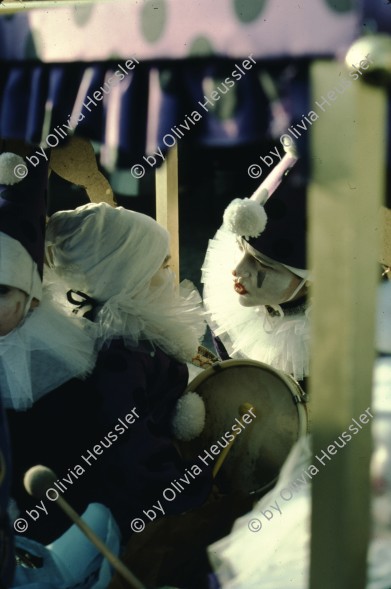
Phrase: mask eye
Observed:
(4, 290)
(166, 263)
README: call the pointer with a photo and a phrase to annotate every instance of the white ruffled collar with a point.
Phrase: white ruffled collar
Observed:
(252, 332)
(168, 317)
(46, 350)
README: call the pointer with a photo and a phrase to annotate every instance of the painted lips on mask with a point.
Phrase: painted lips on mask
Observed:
(239, 288)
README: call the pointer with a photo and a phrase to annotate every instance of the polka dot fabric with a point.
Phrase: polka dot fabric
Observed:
(158, 29)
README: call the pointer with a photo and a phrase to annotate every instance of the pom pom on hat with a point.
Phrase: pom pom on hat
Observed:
(245, 217)
(189, 417)
(8, 163)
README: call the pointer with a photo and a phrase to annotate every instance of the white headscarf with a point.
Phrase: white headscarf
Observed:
(106, 250)
(18, 269)
(47, 348)
(111, 255)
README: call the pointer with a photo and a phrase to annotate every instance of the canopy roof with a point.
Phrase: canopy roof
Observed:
(155, 29)
(124, 73)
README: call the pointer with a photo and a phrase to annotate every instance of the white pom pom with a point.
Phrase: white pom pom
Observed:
(8, 163)
(189, 417)
(245, 217)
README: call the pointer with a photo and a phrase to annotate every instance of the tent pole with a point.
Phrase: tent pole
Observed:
(167, 206)
(348, 146)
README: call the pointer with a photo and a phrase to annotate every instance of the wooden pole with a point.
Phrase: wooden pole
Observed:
(348, 149)
(167, 208)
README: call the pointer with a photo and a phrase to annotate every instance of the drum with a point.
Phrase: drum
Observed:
(260, 448)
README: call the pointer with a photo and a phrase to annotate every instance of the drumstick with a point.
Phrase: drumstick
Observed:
(37, 481)
(244, 408)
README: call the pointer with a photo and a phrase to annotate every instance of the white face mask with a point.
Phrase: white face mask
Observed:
(13, 302)
(259, 280)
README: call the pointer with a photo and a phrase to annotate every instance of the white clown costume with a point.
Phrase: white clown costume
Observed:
(277, 335)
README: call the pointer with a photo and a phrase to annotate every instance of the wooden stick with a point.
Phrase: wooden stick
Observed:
(219, 462)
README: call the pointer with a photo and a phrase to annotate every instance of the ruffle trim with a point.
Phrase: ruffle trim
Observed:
(169, 317)
(250, 332)
(46, 350)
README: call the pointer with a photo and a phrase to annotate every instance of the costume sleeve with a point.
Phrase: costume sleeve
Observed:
(142, 461)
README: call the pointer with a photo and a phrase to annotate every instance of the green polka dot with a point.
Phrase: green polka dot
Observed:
(341, 5)
(201, 46)
(153, 19)
(167, 80)
(114, 59)
(32, 48)
(249, 10)
(82, 14)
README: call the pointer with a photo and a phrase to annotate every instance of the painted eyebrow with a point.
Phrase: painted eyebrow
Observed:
(167, 259)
